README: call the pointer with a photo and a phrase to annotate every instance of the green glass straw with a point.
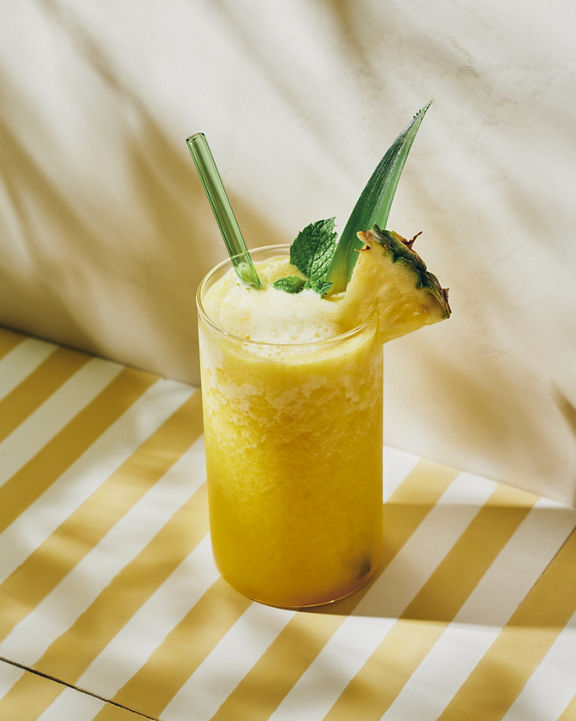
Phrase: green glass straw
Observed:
(220, 204)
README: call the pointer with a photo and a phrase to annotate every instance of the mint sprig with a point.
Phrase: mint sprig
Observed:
(311, 252)
(313, 249)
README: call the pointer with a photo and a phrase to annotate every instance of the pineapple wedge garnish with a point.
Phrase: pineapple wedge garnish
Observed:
(391, 276)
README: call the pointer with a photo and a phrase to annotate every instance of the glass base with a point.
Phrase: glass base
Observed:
(314, 604)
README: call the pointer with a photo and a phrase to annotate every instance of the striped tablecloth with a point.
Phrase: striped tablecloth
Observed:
(111, 607)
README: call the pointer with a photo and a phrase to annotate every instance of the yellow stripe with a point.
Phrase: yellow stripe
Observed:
(23, 590)
(25, 486)
(9, 340)
(371, 692)
(184, 649)
(521, 645)
(29, 697)
(569, 712)
(70, 654)
(32, 695)
(300, 642)
(114, 713)
(17, 405)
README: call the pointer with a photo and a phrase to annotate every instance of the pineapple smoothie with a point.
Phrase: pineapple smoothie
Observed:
(291, 364)
(293, 432)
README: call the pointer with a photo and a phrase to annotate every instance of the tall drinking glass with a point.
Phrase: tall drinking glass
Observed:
(293, 436)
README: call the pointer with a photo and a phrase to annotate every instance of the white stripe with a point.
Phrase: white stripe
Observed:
(22, 360)
(496, 597)
(73, 595)
(552, 685)
(72, 705)
(49, 418)
(9, 675)
(223, 669)
(132, 646)
(397, 465)
(360, 634)
(84, 476)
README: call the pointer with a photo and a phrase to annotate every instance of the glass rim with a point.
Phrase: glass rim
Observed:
(205, 317)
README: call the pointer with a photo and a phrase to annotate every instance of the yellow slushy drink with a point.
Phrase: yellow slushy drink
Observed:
(293, 432)
(291, 361)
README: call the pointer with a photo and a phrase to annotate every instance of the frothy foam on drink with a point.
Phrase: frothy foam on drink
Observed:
(269, 315)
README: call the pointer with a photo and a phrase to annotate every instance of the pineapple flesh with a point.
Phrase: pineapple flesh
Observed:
(390, 276)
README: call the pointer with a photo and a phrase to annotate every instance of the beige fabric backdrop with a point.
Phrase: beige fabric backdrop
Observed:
(105, 231)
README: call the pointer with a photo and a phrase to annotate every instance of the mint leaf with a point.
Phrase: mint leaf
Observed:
(313, 249)
(290, 284)
(311, 252)
(320, 286)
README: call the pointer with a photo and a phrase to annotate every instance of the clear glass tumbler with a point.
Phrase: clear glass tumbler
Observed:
(293, 436)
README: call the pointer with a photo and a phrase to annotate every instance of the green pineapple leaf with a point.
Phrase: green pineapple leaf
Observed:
(373, 206)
